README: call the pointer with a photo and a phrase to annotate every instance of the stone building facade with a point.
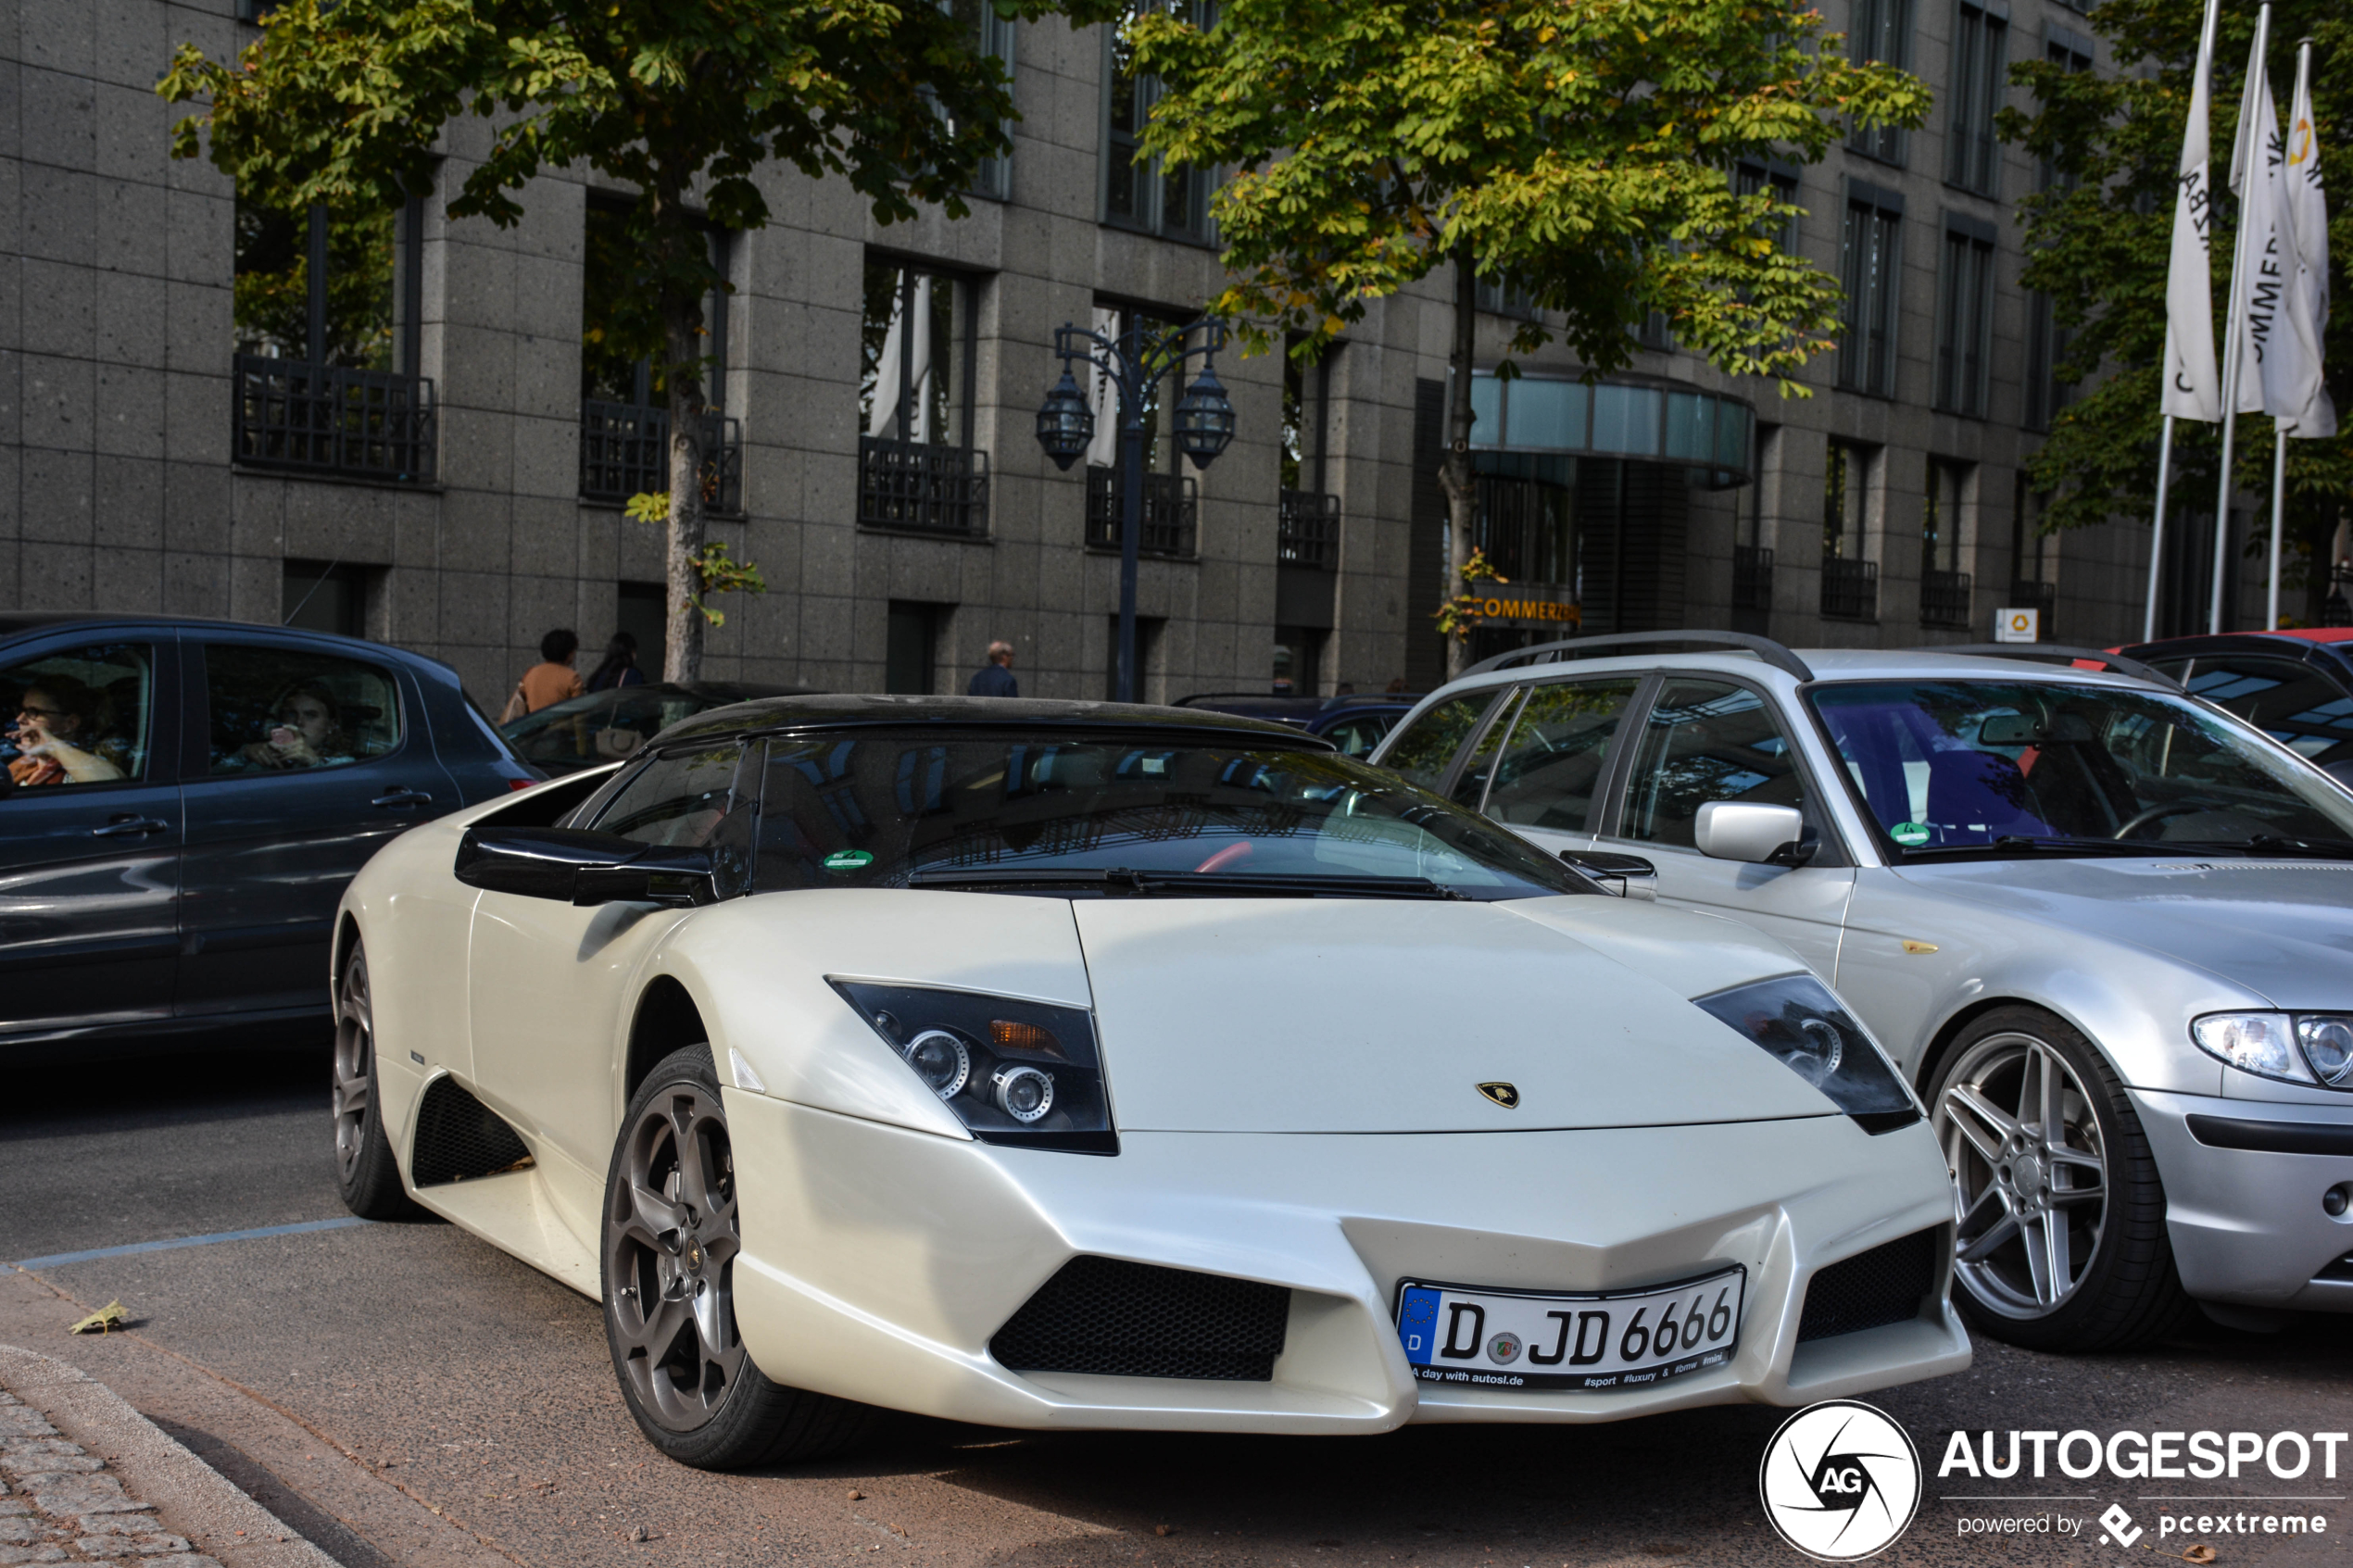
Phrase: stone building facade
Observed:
(153, 455)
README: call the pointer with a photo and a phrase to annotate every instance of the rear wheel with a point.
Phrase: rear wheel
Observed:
(670, 1240)
(2061, 1244)
(366, 1174)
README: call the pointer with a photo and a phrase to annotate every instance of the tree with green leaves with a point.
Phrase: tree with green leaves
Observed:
(342, 103)
(2097, 239)
(1582, 150)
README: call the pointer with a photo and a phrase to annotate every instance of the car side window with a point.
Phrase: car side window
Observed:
(1424, 752)
(1560, 747)
(79, 716)
(1472, 782)
(291, 710)
(1705, 740)
(2292, 702)
(679, 798)
(1356, 737)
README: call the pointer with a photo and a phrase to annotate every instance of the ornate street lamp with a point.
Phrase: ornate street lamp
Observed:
(1135, 362)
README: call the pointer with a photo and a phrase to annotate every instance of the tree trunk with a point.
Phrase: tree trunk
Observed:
(682, 340)
(1454, 470)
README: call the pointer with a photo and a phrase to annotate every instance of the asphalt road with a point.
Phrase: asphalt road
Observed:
(405, 1394)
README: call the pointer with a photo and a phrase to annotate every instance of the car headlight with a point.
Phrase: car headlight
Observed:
(1016, 1072)
(1808, 1031)
(2300, 1047)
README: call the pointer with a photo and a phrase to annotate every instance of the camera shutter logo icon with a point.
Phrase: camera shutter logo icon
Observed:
(1840, 1481)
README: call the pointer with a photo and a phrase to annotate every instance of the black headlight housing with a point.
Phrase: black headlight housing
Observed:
(1026, 1074)
(1808, 1031)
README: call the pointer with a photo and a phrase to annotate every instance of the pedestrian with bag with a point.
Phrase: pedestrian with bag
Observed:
(550, 681)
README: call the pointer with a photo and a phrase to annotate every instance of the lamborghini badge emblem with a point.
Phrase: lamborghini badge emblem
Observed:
(1505, 1094)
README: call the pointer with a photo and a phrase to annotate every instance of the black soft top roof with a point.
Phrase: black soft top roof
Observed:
(853, 710)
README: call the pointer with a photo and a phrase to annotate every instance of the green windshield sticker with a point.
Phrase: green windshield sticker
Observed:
(849, 860)
(1911, 835)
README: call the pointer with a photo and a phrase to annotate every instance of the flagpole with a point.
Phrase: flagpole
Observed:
(2279, 477)
(2157, 533)
(2231, 337)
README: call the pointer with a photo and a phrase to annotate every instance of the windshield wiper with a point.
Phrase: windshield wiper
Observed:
(2272, 843)
(2024, 843)
(1120, 879)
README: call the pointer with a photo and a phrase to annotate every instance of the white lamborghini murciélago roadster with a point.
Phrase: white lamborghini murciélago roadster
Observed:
(1071, 1065)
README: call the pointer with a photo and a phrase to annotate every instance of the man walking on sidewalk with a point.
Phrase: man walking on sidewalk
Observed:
(996, 677)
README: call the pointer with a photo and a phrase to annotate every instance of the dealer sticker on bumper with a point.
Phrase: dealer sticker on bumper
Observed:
(1528, 1339)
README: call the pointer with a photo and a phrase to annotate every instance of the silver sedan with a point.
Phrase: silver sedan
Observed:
(2106, 928)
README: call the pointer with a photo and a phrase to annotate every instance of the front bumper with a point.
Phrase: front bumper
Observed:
(2247, 1222)
(878, 1262)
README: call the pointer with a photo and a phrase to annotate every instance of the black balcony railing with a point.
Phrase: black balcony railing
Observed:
(1307, 530)
(1751, 588)
(916, 485)
(625, 451)
(1850, 589)
(1170, 509)
(327, 419)
(1945, 599)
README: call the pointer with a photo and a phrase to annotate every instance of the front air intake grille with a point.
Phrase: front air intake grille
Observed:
(1133, 1319)
(1872, 1288)
(459, 1138)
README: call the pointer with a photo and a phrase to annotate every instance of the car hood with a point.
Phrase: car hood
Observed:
(1344, 1015)
(2282, 929)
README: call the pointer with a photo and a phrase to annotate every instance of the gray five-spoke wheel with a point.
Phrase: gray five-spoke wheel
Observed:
(671, 1241)
(2027, 1158)
(355, 1069)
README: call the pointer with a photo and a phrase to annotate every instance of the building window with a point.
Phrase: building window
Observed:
(1965, 316)
(625, 398)
(2046, 341)
(917, 468)
(1871, 262)
(1752, 556)
(1139, 192)
(1171, 507)
(1945, 587)
(325, 311)
(1503, 296)
(1298, 656)
(325, 596)
(1881, 30)
(1525, 521)
(1850, 584)
(1778, 181)
(1981, 66)
(992, 39)
(2028, 566)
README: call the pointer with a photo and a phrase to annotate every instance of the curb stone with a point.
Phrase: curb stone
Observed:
(84, 1478)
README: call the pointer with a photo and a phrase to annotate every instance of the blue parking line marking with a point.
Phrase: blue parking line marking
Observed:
(56, 1260)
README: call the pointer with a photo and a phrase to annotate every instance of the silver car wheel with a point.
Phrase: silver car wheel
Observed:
(2031, 1172)
(671, 1241)
(355, 1068)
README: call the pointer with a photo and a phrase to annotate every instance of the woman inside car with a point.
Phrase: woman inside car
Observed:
(309, 731)
(63, 735)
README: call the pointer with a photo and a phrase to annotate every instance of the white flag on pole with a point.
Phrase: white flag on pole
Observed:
(2193, 388)
(2279, 363)
(2309, 216)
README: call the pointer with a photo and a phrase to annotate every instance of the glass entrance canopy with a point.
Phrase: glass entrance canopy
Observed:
(1641, 417)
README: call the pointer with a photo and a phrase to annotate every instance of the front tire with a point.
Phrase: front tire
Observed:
(2062, 1243)
(671, 1237)
(366, 1174)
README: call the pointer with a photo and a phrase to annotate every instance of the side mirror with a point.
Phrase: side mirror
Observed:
(1762, 835)
(1628, 876)
(574, 866)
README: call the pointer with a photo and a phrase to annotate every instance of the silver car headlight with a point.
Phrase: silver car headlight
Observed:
(1024, 1073)
(1808, 1031)
(2303, 1047)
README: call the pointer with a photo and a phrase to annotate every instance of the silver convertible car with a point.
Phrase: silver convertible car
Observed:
(2106, 928)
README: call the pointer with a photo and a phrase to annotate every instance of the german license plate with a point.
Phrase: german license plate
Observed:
(1532, 1339)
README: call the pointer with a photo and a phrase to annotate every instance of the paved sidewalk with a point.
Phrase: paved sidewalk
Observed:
(86, 1478)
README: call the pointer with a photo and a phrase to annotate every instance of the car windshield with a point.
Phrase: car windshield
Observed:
(1956, 765)
(1060, 813)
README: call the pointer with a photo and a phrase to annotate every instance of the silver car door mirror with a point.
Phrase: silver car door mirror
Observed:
(1742, 830)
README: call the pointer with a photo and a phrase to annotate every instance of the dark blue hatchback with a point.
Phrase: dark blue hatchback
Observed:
(185, 801)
